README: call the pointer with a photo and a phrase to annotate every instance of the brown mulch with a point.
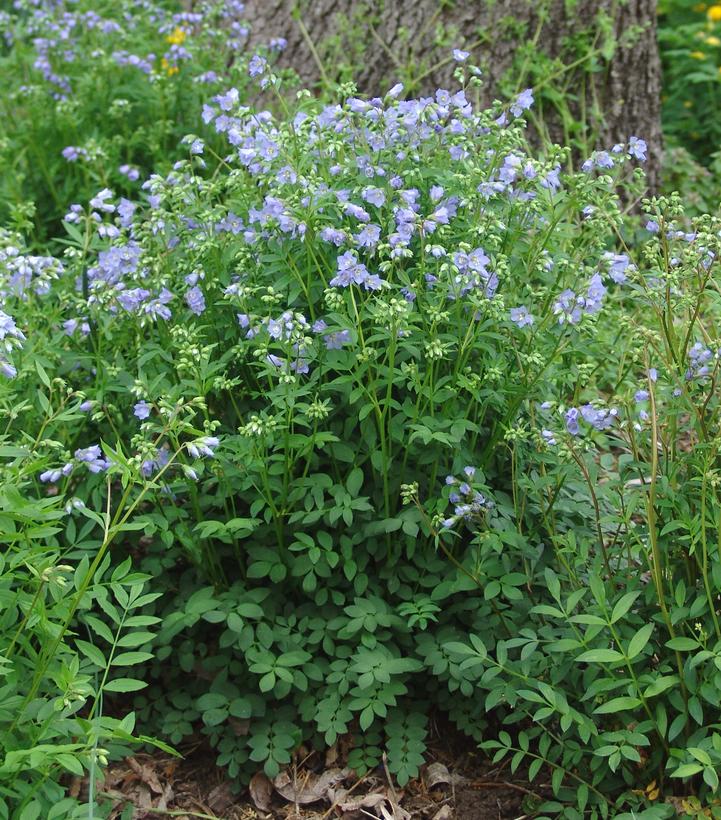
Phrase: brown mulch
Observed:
(457, 784)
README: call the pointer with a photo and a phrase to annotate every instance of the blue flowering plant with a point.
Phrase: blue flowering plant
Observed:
(408, 418)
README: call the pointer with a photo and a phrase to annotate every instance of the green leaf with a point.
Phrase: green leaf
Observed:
(354, 482)
(367, 716)
(44, 378)
(267, 682)
(638, 643)
(623, 606)
(241, 708)
(660, 685)
(99, 628)
(683, 644)
(124, 685)
(131, 658)
(549, 611)
(617, 705)
(249, 610)
(92, 652)
(599, 656)
(701, 755)
(135, 639)
(687, 770)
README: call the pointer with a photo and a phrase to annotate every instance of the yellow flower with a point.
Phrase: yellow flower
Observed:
(178, 36)
(697, 55)
(714, 14)
(169, 69)
(687, 104)
(713, 41)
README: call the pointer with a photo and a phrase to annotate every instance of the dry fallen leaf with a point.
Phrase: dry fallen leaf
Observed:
(396, 813)
(444, 813)
(311, 789)
(221, 798)
(261, 791)
(331, 755)
(368, 801)
(377, 801)
(146, 774)
(437, 774)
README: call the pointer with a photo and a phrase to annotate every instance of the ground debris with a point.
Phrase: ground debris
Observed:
(453, 785)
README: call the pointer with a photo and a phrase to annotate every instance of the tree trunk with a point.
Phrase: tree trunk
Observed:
(593, 63)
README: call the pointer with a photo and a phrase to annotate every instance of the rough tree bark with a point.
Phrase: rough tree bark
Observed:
(597, 59)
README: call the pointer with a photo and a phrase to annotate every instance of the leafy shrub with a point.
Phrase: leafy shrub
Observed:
(58, 660)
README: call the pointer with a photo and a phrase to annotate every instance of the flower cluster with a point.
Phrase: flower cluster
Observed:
(470, 504)
(11, 337)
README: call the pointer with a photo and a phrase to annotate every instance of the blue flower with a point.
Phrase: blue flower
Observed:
(195, 300)
(93, 458)
(141, 410)
(226, 101)
(568, 307)
(522, 102)
(51, 476)
(460, 56)
(601, 419)
(7, 368)
(375, 196)
(9, 328)
(368, 236)
(257, 65)
(637, 148)
(335, 341)
(351, 271)
(595, 294)
(521, 317)
(571, 419)
(619, 264)
(129, 171)
(204, 446)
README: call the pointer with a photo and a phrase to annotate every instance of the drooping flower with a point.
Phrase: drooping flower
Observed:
(203, 446)
(92, 457)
